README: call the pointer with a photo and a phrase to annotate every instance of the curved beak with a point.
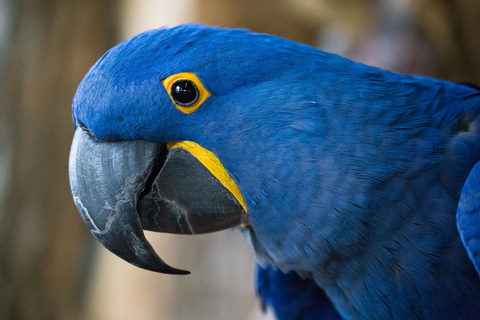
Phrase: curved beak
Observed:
(121, 188)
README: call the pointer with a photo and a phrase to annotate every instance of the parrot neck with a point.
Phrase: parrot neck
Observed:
(390, 264)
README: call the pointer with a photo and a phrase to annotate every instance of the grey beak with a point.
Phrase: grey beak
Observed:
(123, 187)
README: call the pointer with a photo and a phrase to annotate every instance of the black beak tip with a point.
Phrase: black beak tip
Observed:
(138, 251)
(170, 270)
(155, 264)
(152, 263)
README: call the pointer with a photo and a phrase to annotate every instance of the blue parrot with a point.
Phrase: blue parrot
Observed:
(357, 188)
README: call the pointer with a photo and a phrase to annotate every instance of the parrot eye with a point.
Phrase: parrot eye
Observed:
(186, 91)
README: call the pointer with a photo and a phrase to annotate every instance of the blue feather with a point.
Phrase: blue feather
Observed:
(292, 297)
(350, 173)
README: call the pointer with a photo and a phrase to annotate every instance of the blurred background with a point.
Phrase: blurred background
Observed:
(50, 265)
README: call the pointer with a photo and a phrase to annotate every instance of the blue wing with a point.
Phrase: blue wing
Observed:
(468, 216)
(468, 212)
(292, 297)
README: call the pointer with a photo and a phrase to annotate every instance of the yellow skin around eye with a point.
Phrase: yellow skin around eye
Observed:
(203, 93)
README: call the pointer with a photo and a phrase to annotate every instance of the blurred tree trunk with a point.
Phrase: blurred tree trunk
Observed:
(452, 28)
(42, 239)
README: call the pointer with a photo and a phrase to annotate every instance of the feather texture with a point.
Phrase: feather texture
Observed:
(351, 174)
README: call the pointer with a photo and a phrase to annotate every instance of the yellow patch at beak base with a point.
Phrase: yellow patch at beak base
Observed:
(213, 164)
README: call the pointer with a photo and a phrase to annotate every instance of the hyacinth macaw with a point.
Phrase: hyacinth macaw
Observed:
(345, 179)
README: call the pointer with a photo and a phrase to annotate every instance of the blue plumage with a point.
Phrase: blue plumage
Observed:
(468, 217)
(351, 174)
(292, 297)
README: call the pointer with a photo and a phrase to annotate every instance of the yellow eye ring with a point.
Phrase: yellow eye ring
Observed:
(186, 91)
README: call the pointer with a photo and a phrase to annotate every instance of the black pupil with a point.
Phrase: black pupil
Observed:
(184, 92)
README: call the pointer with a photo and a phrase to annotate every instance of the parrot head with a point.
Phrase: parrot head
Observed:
(161, 122)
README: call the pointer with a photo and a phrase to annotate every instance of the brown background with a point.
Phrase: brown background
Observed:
(50, 267)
